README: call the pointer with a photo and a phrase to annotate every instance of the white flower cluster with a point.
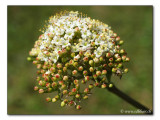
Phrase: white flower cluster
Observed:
(77, 32)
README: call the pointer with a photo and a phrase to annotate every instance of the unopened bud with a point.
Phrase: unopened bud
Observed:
(36, 88)
(86, 78)
(77, 96)
(104, 72)
(125, 70)
(48, 99)
(75, 82)
(41, 91)
(110, 85)
(65, 78)
(85, 72)
(63, 104)
(91, 62)
(121, 42)
(108, 55)
(85, 97)
(103, 86)
(74, 72)
(78, 107)
(90, 86)
(72, 55)
(54, 99)
(29, 58)
(114, 70)
(71, 103)
(101, 59)
(98, 73)
(65, 92)
(80, 68)
(91, 69)
(85, 59)
(86, 90)
(96, 60)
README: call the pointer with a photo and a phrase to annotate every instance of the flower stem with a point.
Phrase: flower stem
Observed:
(130, 100)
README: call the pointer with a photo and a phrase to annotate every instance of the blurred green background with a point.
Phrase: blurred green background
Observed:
(132, 23)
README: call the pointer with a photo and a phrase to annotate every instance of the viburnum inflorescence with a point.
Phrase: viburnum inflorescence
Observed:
(73, 55)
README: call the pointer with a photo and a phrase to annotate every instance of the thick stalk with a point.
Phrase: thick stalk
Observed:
(128, 99)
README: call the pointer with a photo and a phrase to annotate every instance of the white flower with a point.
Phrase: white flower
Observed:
(98, 52)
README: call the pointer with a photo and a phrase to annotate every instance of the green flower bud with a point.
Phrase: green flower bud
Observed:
(110, 85)
(29, 58)
(39, 66)
(54, 84)
(83, 81)
(101, 59)
(98, 73)
(52, 69)
(85, 97)
(35, 62)
(59, 65)
(65, 78)
(57, 97)
(44, 67)
(71, 103)
(85, 59)
(42, 83)
(48, 99)
(72, 55)
(96, 60)
(125, 70)
(80, 53)
(65, 92)
(121, 42)
(86, 90)
(78, 107)
(85, 72)
(38, 78)
(111, 59)
(63, 86)
(127, 59)
(114, 70)
(77, 96)
(68, 48)
(48, 85)
(75, 82)
(75, 64)
(80, 68)
(123, 57)
(49, 89)
(41, 91)
(60, 82)
(103, 86)
(87, 78)
(74, 72)
(122, 51)
(54, 99)
(93, 56)
(104, 72)
(96, 84)
(120, 65)
(108, 55)
(90, 86)
(91, 62)
(95, 76)
(36, 88)
(63, 104)
(74, 90)
(64, 69)
(91, 69)
(104, 79)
